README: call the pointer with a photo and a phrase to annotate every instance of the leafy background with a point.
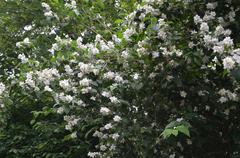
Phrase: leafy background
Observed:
(30, 127)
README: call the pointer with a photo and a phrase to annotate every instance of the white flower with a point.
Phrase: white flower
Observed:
(18, 44)
(27, 27)
(227, 41)
(109, 75)
(93, 50)
(227, 32)
(116, 39)
(125, 54)
(68, 98)
(93, 154)
(113, 147)
(110, 44)
(74, 135)
(85, 68)
(223, 99)
(236, 57)
(47, 75)
(209, 40)
(228, 63)
(204, 27)
(68, 69)
(128, 33)
(211, 6)
(60, 110)
(222, 92)
(48, 14)
(183, 94)
(197, 19)
(103, 46)
(115, 136)
(47, 89)
(2, 88)
(86, 90)
(114, 99)
(97, 134)
(64, 84)
(172, 155)
(207, 108)
(117, 118)
(98, 38)
(178, 53)
(219, 30)
(118, 78)
(26, 41)
(52, 32)
(103, 147)
(218, 49)
(155, 54)
(135, 76)
(55, 46)
(232, 15)
(209, 16)
(85, 82)
(23, 58)
(29, 81)
(68, 127)
(46, 6)
(105, 111)
(79, 40)
(162, 34)
(108, 126)
(141, 26)
(179, 119)
(106, 94)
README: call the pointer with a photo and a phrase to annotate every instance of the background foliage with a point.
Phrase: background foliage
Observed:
(126, 78)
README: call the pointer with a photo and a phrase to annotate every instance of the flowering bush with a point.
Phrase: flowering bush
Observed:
(157, 78)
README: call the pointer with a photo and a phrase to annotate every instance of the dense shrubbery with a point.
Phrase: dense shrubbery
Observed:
(93, 78)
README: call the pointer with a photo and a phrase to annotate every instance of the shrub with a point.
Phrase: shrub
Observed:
(158, 78)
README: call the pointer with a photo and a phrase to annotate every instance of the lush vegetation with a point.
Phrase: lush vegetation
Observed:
(119, 78)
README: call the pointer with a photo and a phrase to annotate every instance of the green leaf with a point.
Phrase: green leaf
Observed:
(184, 130)
(166, 133)
(67, 137)
(118, 21)
(175, 132)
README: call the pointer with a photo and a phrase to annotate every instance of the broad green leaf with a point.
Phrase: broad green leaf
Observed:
(184, 130)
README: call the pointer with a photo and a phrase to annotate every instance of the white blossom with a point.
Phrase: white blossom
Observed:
(227, 41)
(105, 111)
(47, 89)
(197, 19)
(64, 84)
(2, 88)
(93, 154)
(204, 27)
(125, 54)
(128, 33)
(26, 41)
(183, 94)
(228, 63)
(85, 82)
(23, 58)
(114, 99)
(117, 118)
(108, 126)
(115, 136)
